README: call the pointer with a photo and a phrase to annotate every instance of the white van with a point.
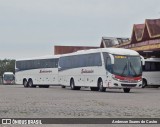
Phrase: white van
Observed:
(151, 72)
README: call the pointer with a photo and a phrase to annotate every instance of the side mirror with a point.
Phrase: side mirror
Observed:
(143, 61)
(112, 58)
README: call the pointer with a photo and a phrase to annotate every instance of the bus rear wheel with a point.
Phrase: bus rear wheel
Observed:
(30, 84)
(126, 90)
(25, 83)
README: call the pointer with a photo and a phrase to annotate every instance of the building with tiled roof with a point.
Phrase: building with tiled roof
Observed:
(148, 31)
(112, 41)
(69, 49)
(145, 38)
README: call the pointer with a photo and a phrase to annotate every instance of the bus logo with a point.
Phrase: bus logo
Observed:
(86, 71)
(45, 71)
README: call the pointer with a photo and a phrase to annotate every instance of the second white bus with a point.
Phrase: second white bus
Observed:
(42, 71)
(100, 69)
(8, 78)
(151, 72)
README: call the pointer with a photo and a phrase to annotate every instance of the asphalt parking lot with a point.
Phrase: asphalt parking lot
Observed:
(55, 102)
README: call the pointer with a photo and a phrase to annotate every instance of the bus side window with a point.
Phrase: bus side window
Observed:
(143, 67)
(97, 59)
(157, 64)
(147, 66)
(153, 67)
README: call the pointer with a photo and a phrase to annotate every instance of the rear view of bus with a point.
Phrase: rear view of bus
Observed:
(100, 69)
(8, 78)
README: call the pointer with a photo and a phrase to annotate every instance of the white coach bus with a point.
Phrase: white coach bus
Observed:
(151, 72)
(42, 71)
(100, 69)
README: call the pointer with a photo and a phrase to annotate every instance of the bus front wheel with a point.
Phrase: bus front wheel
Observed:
(100, 85)
(73, 87)
(144, 83)
(126, 90)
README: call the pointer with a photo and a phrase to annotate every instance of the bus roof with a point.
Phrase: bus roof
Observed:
(40, 57)
(8, 73)
(119, 51)
(153, 59)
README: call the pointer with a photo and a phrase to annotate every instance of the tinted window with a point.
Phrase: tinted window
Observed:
(151, 66)
(8, 77)
(35, 64)
(76, 61)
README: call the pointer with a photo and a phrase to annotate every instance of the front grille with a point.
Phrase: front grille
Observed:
(129, 81)
(129, 85)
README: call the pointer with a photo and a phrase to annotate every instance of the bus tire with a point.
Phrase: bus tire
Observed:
(94, 88)
(25, 83)
(144, 83)
(126, 90)
(72, 84)
(100, 86)
(30, 83)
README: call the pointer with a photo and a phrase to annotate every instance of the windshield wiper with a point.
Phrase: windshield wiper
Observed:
(124, 69)
(132, 68)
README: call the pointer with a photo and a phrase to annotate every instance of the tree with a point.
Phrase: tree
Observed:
(7, 65)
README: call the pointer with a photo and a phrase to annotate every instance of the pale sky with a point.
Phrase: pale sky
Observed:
(30, 28)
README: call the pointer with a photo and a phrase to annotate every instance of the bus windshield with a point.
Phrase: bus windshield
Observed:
(8, 77)
(127, 66)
